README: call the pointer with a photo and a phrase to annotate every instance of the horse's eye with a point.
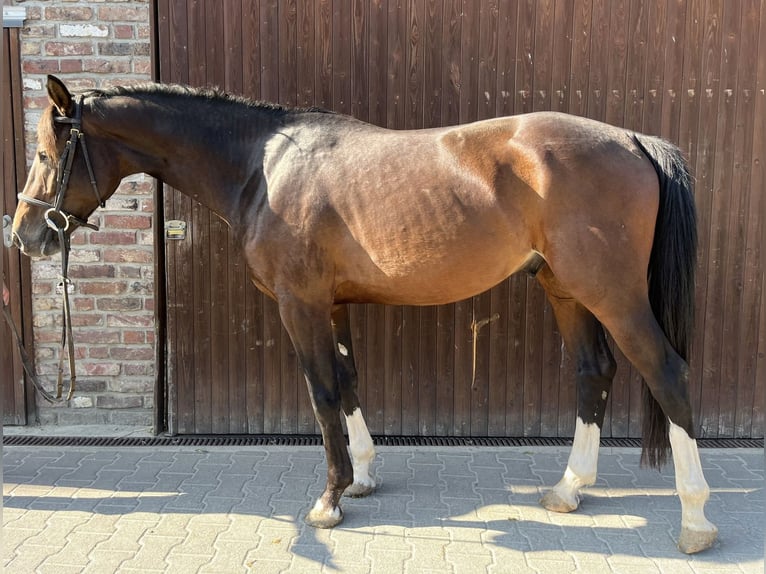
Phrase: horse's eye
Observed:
(42, 155)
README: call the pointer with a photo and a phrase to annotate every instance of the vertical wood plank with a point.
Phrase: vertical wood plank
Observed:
(483, 410)
(715, 337)
(432, 63)
(688, 140)
(412, 68)
(551, 340)
(638, 30)
(578, 95)
(756, 237)
(376, 324)
(733, 181)
(617, 419)
(323, 54)
(360, 54)
(599, 58)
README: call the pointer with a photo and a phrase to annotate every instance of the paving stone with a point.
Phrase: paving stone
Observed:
(436, 510)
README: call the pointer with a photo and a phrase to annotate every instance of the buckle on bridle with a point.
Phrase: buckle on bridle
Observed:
(56, 220)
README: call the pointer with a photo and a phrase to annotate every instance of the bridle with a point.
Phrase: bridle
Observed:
(60, 221)
(56, 218)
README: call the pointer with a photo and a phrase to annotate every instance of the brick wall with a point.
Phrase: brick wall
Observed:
(89, 45)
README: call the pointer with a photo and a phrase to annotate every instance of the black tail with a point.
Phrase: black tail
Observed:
(671, 276)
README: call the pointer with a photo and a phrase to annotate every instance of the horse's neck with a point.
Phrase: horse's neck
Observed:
(197, 155)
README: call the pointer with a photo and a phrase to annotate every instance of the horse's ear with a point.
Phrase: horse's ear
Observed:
(59, 96)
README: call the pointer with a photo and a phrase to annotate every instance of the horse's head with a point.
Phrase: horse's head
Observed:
(67, 181)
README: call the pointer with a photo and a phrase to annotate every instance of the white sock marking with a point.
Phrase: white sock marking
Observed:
(583, 462)
(361, 447)
(690, 482)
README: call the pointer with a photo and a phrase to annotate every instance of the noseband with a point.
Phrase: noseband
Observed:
(59, 221)
(56, 218)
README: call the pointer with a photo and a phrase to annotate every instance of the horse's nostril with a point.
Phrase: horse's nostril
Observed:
(16, 240)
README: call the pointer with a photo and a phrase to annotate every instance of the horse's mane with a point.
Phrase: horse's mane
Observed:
(209, 94)
(46, 131)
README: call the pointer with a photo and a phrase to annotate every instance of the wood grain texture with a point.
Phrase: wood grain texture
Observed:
(683, 69)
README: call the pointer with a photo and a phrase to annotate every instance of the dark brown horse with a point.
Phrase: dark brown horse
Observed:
(330, 210)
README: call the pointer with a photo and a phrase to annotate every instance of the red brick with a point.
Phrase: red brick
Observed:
(128, 255)
(138, 369)
(123, 14)
(98, 337)
(128, 221)
(105, 66)
(123, 31)
(36, 103)
(102, 287)
(95, 352)
(134, 337)
(82, 320)
(78, 239)
(79, 13)
(41, 288)
(39, 31)
(131, 353)
(69, 48)
(101, 369)
(71, 66)
(84, 303)
(91, 271)
(142, 320)
(118, 304)
(113, 238)
(119, 402)
(129, 272)
(41, 66)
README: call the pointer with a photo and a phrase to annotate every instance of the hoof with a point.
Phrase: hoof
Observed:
(321, 517)
(693, 541)
(554, 502)
(360, 489)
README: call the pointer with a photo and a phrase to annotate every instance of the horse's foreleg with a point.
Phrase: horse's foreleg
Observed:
(311, 334)
(585, 341)
(360, 441)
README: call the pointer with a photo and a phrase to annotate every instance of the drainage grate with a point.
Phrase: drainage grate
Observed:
(316, 440)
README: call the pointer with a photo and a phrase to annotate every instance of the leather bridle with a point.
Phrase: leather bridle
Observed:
(60, 221)
(56, 218)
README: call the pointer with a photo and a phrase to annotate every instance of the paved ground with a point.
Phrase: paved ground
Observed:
(228, 510)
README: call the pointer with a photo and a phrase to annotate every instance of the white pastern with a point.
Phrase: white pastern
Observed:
(581, 469)
(690, 482)
(362, 449)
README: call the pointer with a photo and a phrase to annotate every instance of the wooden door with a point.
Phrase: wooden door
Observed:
(17, 397)
(654, 66)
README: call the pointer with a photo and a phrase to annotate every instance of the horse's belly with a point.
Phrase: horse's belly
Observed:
(432, 282)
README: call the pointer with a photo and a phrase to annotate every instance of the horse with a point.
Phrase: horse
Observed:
(330, 210)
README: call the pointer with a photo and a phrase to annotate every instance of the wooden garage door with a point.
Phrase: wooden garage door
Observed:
(656, 66)
(17, 399)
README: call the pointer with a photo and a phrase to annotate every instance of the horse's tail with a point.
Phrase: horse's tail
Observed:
(671, 276)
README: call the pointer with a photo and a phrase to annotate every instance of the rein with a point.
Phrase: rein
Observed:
(60, 221)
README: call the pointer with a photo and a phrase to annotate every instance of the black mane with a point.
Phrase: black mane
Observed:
(209, 94)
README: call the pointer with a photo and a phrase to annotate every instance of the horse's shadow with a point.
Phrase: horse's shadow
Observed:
(634, 522)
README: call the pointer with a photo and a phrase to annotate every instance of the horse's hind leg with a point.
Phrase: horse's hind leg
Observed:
(640, 337)
(311, 333)
(360, 441)
(585, 341)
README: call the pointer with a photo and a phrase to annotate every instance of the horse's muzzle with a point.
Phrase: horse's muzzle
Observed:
(47, 245)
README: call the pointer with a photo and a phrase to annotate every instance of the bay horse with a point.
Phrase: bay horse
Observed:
(330, 210)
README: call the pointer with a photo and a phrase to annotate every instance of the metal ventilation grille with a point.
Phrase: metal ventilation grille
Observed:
(316, 440)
